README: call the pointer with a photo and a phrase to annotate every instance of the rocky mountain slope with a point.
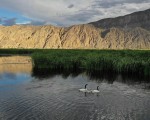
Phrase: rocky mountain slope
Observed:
(137, 19)
(105, 34)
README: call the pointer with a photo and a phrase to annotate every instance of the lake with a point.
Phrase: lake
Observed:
(26, 95)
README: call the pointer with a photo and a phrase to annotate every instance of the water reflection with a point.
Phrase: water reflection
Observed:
(15, 69)
(13, 79)
(15, 64)
(54, 95)
(46, 73)
(98, 76)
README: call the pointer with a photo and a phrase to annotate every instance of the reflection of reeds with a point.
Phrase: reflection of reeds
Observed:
(122, 61)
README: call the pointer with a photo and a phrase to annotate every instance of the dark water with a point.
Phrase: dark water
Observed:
(55, 96)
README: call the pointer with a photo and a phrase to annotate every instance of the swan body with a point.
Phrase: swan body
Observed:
(95, 91)
(84, 89)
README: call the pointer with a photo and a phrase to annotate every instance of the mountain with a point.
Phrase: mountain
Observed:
(126, 32)
(137, 19)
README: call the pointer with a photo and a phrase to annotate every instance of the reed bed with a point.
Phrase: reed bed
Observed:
(119, 61)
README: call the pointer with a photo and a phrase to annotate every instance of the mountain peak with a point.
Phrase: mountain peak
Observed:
(137, 19)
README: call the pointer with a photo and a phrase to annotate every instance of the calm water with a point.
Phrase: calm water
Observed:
(55, 96)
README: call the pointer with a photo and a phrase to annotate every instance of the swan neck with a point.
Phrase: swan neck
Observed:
(85, 86)
(98, 88)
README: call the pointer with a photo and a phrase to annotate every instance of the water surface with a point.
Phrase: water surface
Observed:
(25, 95)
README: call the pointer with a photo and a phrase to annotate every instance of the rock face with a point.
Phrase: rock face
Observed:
(138, 19)
(128, 32)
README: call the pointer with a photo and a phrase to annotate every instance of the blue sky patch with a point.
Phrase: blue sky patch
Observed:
(8, 17)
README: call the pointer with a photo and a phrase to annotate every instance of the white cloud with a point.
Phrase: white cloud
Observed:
(68, 12)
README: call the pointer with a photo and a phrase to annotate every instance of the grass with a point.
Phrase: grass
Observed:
(117, 61)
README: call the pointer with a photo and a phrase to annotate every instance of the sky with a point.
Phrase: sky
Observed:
(65, 12)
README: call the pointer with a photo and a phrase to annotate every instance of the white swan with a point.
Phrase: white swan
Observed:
(95, 91)
(85, 89)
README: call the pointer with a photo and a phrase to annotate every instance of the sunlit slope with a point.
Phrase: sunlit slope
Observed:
(104, 34)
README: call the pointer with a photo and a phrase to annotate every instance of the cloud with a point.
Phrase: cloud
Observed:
(37, 22)
(13, 21)
(111, 3)
(69, 12)
(9, 22)
(71, 6)
(0, 21)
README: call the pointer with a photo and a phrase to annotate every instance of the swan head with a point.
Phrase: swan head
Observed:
(97, 87)
(85, 85)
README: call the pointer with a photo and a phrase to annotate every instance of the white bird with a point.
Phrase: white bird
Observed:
(84, 89)
(95, 91)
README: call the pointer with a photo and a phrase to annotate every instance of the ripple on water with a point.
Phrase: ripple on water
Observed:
(58, 98)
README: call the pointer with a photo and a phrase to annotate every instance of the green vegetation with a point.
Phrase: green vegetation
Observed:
(122, 61)
(118, 61)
